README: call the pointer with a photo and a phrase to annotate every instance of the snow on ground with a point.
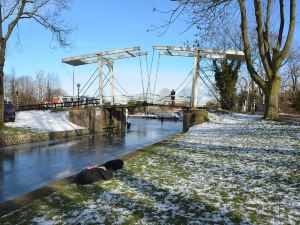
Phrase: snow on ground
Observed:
(235, 169)
(44, 121)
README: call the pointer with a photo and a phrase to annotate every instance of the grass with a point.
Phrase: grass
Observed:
(6, 131)
(192, 179)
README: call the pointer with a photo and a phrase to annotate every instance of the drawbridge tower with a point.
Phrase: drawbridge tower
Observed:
(198, 54)
(196, 116)
(105, 58)
(101, 118)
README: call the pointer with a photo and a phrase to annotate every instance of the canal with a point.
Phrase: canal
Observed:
(26, 167)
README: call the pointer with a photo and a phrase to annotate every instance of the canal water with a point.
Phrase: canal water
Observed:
(26, 167)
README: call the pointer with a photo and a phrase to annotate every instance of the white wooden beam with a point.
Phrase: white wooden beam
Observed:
(190, 52)
(203, 55)
(104, 53)
(118, 57)
(127, 55)
(174, 48)
(80, 62)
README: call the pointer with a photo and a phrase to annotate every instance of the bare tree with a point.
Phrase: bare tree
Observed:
(207, 15)
(47, 13)
(7, 87)
(53, 86)
(271, 58)
(26, 90)
(47, 86)
(291, 70)
(41, 85)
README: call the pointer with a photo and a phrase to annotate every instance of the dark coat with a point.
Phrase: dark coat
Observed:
(89, 176)
(98, 173)
(115, 164)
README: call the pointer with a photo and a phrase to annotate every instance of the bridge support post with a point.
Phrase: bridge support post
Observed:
(111, 81)
(99, 119)
(193, 117)
(194, 101)
(100, 64)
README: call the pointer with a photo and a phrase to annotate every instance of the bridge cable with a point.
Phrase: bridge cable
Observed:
(88, 80)
(212, 84)
(89, 86)
(106, 77)
(119, 90)
(216, 89)
(108, 80)
(92, 83)
(148, 83)
(67, 72)
(150, 72)
(155, 75)
(188, 83)
(95, 94)
(120, 86)
(184, 79)
(179, 84)
(208, 87)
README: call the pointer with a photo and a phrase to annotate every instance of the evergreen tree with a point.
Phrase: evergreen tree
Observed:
(226, 76)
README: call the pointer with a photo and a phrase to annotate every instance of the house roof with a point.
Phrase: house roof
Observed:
(54, 100)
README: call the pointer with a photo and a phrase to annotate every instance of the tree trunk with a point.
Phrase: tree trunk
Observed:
(272, 96)
(1, 94)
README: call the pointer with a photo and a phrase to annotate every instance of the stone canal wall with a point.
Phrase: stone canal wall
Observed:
(99, 119)
(15, 139)
(192, 117)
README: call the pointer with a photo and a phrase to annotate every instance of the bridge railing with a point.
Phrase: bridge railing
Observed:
(61, 105)
(95, 102)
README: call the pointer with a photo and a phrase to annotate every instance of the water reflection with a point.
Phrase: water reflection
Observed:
(28, 166)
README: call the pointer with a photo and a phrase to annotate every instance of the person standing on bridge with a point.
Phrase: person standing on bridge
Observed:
(173, 97)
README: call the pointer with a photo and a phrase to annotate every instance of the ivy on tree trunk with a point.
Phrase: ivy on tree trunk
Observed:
(226, 76)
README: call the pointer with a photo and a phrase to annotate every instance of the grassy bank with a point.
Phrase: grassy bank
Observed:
(232, 170)
(6, 131)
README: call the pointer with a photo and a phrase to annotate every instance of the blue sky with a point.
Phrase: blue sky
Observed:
(104, 25)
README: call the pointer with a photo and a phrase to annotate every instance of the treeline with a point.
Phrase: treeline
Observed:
(31, 90)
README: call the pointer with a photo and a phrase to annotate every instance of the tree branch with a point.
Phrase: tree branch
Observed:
(247, 50)
(57, 31)
(175, 13)
(281, 27)
(12, 24)
(261, 42)
(267, 32)
(11, 11)
(288, 42)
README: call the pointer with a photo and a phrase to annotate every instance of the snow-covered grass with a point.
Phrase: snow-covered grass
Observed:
(43, 121)
(236, 169)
